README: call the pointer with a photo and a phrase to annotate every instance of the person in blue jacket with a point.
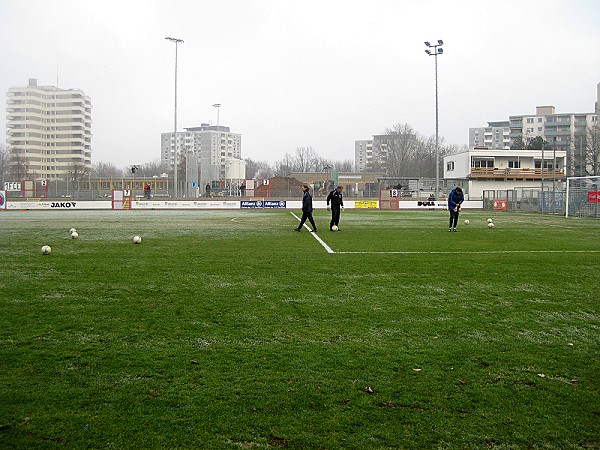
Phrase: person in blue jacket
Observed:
(455, 199)
(307, 209)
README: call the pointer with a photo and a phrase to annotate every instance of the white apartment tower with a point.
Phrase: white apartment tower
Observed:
(49, 132)
(215, 147)
(495, 136)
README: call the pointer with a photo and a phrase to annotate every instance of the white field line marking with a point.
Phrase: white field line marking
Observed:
(325, 246)
(490, 252)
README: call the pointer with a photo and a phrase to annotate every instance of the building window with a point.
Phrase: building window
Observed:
(530, 120)
(483, 163)
(450, 165)
(514, 164)
(547, 164)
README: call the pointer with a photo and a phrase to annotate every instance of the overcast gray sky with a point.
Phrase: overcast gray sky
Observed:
(301, 73)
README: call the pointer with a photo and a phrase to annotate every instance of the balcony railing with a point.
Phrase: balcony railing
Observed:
(535, 174)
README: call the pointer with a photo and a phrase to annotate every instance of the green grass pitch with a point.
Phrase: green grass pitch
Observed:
(228, 330)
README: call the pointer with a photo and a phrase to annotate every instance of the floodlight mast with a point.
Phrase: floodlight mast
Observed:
(437, 50)
(176, 190)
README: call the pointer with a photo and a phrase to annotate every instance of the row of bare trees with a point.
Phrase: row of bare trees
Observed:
(402, 152)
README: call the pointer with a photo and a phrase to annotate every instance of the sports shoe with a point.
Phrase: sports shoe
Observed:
(297, 229)
(313, 231)
(450, 230)
(454, 229)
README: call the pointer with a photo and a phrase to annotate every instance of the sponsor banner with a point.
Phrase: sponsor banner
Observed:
(500, 205)
(430, 204)
(274, 204)
(248, 204)
(366, 204)
(2, 200)
(161, 204)
(12, 186)
(594, 197)
(60, 205)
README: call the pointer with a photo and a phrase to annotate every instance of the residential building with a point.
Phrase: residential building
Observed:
(564, 131)
(363, 153)
(488, 169)
(217, 149)
(495, 136)
(49, 132)
(373, 154)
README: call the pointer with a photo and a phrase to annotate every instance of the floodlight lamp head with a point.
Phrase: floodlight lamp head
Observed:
(440, 42)
(440, 50)
(427, 44)
(428, 52)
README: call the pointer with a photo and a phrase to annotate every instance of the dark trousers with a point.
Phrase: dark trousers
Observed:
(307, 215)
(453, 219)
(335, 216)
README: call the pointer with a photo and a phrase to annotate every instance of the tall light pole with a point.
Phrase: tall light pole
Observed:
(176, 41)
(437, 50)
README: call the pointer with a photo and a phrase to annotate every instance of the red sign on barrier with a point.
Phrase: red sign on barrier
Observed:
(594, 197)
(500, 205)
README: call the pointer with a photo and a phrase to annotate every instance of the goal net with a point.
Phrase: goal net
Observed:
(583, 197)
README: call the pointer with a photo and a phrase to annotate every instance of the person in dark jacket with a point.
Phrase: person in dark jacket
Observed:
(337, 203)
(307, 210)
(455, 199)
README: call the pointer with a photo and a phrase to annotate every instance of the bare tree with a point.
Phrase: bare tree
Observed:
(307, 160)
(258, 169)
(3, 164)
(106, 171)
(592, 151)
(347, 165)
(151, 168)
(17, 166)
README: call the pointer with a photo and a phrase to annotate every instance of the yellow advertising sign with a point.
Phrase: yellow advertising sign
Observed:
(366, 204)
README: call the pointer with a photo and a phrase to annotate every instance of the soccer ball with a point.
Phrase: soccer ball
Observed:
(46, 250)
(137, 239)
(72, 230)
(490, 220)
(466, 221)
(334, 228)
(74, 235)
(491, 225)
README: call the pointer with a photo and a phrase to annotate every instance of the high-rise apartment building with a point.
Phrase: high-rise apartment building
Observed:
(363, 153)
(373, 154)
(49, 132)
(215, 147)
(563, 131)
(495, 136)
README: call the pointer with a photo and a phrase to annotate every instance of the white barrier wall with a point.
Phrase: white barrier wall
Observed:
(71, 204)
(232, 204)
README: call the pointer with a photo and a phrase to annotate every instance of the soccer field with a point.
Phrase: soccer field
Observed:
(228, 330)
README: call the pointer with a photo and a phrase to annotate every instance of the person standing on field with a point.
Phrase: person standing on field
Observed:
(307, 209)
(455, 199)
(337, 204)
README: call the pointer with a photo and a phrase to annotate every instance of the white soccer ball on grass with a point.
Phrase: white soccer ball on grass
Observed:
(491, 225)
(137, 239)
(490, 220)
(334, 228)
(467, 222)
(46, 250)
(74, 235)
(72, 230)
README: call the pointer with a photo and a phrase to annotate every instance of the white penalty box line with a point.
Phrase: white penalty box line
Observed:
(467, 252)
(325, 246)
